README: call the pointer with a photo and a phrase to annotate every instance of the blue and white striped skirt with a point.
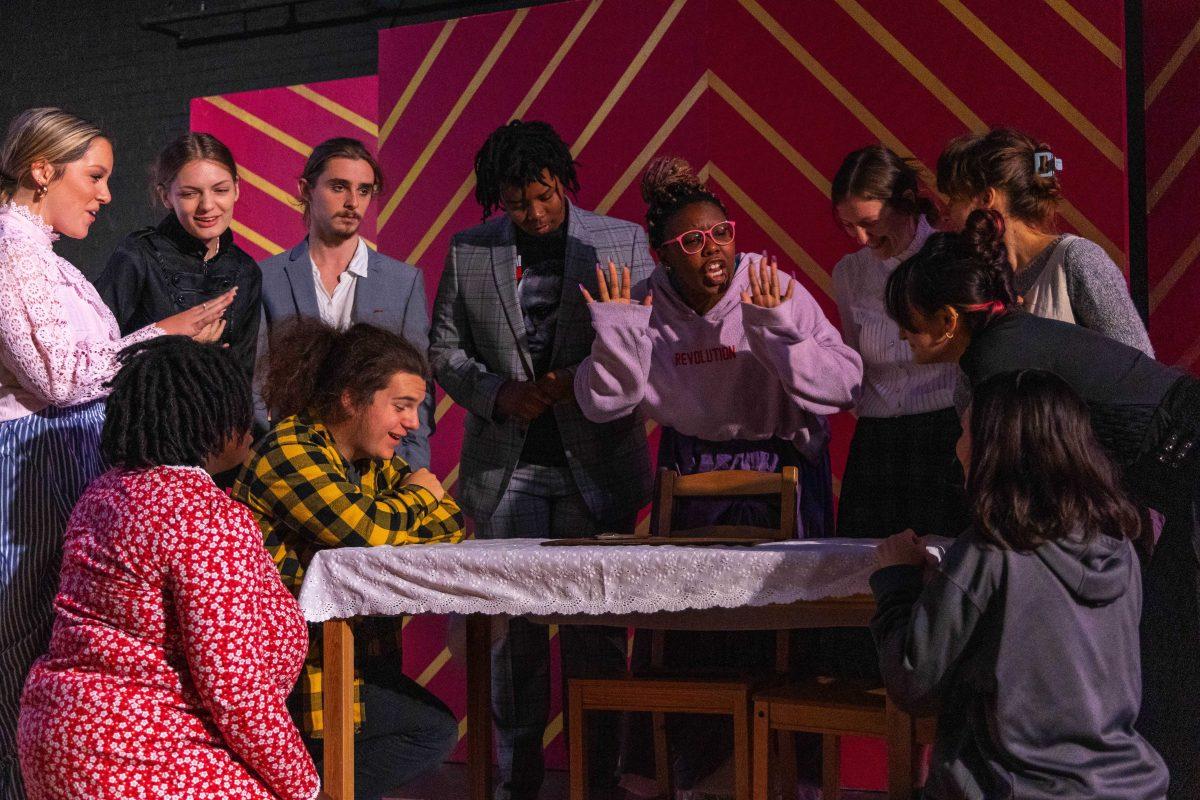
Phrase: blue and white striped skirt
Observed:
(47, 459)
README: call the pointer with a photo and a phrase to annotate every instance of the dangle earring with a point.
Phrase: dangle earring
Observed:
(41, 192)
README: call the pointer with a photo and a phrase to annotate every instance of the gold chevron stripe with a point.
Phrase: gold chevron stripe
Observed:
(456, 111)
(553, 729)
(256, 237)
(1173, 64)
(959, 109)
(337, 109)
(260, 125)
(756, 121)
(456, 200)
(451, 477)
(635, 66)
(1087, 30)
(434, 667)
(442, 407)
(1173, 169)
(656, 141)
(773, 229)
(914, 66)
(556, 59)
(1036, 82)
(1177, 270)
(462, 728)
(1190, 356)
(415, 82)
(265, 186)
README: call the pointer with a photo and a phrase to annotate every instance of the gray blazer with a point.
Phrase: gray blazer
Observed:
(391, 296)
(478, 341)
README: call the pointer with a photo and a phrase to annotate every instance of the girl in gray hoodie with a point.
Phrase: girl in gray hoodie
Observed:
(1025, 639)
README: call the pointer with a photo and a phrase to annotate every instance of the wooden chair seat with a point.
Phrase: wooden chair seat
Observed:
(676, 691)
(834, 708)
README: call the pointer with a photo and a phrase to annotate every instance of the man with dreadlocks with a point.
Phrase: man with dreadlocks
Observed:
(509, 329)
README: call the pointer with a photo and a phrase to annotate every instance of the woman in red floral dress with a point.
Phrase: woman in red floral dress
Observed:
(175, 643)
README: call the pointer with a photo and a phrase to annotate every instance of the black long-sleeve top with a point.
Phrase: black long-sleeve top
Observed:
(158, 272)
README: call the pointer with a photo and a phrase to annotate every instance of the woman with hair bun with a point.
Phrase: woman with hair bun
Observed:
(1060, 276)
(58, 348)
(954, 302)
(901, 471)
(190, 257)
(326, 476)
(738, 364)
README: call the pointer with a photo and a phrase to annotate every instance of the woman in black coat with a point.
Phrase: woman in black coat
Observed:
(190, 257)
(954, 302)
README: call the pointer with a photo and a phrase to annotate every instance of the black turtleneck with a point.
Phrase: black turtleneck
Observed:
(158, 272)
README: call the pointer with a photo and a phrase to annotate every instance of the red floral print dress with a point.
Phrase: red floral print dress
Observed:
(175, 646)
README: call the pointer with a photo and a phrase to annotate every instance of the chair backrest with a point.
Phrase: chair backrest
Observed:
(729, 483)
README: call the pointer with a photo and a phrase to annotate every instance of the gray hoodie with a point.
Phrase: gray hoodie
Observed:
(1031, 661)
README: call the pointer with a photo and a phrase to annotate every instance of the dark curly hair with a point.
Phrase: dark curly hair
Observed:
(1037, 471)
(515, 155)
(965, 271)
(310, 364)
(174, 402)
(669, 185)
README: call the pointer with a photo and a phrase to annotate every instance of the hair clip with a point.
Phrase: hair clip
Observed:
(1045, 164)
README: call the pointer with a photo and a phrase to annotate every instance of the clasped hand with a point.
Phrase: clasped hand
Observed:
(903, 548)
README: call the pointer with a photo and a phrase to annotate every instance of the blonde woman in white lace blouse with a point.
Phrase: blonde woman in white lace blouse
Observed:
(58, 347)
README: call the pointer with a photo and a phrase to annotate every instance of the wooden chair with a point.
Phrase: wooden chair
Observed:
(661, 694)
(836, 708)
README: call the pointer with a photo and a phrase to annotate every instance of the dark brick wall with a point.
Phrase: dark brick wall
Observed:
(92, 57)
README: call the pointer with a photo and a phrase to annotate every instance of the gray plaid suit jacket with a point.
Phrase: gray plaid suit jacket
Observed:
(478, 341)
(391, 296)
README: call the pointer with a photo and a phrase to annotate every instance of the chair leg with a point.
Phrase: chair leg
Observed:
(831, 767)
(761, 742)
(662, 756)
(901, 752)
(741, 751)
(576, 746)
(785, 750)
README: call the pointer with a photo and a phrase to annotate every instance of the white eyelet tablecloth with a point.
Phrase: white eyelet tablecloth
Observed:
(519, 577)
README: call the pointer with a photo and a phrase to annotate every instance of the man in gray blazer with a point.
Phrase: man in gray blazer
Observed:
(332, 275)
(509, 328)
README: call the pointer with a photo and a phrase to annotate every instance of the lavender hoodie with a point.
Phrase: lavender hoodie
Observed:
(737, 372)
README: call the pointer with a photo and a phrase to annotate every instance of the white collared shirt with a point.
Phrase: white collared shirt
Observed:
(893, 384)
(338, 308)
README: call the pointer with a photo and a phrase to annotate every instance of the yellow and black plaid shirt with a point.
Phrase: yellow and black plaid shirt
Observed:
(306, 498)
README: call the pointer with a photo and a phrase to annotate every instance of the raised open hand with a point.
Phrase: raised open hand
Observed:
(764, 284)
(615, 285)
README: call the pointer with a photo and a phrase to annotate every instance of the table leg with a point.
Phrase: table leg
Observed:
(338, 706)
(479, 706)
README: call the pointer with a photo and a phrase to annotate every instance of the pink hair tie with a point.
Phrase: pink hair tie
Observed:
(992, 307)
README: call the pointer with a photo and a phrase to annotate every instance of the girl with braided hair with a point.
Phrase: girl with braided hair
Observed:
(954, 302)
(685, 347)
(175, 642)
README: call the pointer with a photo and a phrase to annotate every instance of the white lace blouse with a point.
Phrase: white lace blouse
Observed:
(58, 341)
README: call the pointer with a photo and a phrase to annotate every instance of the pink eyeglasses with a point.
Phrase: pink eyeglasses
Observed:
(692, 242)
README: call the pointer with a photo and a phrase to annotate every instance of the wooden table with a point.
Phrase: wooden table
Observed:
(339, 672)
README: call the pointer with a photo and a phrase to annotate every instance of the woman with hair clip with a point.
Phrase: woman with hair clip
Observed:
(58, 347)
(327, 476)
(1025, 638)
(684, 347)
(175, 642)
(190, 257)
(954, 302)
(1060, 276)
(901, 471)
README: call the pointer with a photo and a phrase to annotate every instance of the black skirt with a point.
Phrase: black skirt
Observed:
(902, 473)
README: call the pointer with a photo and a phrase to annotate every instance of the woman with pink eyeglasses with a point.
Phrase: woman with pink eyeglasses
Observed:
(734, 360)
